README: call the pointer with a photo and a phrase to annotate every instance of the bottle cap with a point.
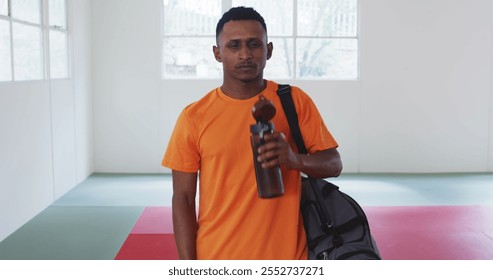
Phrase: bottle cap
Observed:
(263, 110)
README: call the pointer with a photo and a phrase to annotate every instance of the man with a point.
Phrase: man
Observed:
(212, 138)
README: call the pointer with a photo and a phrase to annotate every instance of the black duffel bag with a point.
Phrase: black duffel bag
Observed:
(335, 224)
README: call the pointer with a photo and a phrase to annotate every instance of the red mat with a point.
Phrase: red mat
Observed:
(148, 247)
(402, 233)
(433, 232)
(154, 220)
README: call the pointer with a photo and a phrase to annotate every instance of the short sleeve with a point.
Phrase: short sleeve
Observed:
(182, 152)
(316, 135)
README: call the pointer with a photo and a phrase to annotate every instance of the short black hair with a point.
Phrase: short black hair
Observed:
(239, 13)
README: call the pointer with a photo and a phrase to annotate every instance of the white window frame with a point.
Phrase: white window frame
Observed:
(227, 4)
(60, 29)
(45, 29)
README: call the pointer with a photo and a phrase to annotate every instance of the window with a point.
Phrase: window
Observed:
(189, 34)
(313, 39)
(58, 39)
(5, 55)
(28, 35)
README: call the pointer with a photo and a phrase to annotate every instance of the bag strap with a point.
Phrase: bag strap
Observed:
(284, 93)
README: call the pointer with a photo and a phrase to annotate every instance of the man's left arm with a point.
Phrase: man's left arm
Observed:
(321, 164)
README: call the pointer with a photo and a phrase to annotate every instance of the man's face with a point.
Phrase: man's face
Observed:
(243, 50)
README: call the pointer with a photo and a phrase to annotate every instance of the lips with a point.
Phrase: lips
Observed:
(246, 66)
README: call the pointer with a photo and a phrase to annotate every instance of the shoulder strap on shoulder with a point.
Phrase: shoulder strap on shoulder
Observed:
(284, 92)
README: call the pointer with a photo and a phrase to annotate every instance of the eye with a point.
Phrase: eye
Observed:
(255, 44)
(233, 45)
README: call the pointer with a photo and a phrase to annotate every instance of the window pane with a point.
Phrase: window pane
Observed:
(327, 58)
(191, 17)
(278, 15)
(27, 10)
(28, 59)
(281, 63)
(327, 17)
(187, 57)
(57, 14)
(4, 7)
(58, 55)
(5, 62)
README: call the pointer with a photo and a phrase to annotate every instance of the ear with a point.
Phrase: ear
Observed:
(270, 47)
(217, 53)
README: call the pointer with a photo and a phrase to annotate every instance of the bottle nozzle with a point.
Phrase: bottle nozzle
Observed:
(263, 110)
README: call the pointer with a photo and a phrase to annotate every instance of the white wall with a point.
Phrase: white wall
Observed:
(126, 79)
(46, 128)
(80, 12)
(426, 86)
(423, 102)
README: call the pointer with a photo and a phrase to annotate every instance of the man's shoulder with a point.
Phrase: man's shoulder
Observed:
(302, 100)
(201, 104)
(297, 93)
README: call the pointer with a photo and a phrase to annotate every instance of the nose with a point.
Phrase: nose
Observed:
(245, 52)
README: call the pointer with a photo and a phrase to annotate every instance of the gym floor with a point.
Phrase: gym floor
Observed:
(115, 216)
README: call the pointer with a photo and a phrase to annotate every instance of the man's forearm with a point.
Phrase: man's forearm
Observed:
(322, 164)
(185, 228)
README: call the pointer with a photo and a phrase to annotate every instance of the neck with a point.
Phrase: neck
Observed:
(243, 90)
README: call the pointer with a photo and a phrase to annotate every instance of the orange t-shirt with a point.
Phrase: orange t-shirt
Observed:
(212, 137)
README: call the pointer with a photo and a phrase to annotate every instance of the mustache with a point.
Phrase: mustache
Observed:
(245, 64)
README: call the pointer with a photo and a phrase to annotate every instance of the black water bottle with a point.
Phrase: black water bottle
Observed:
(269, 180)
